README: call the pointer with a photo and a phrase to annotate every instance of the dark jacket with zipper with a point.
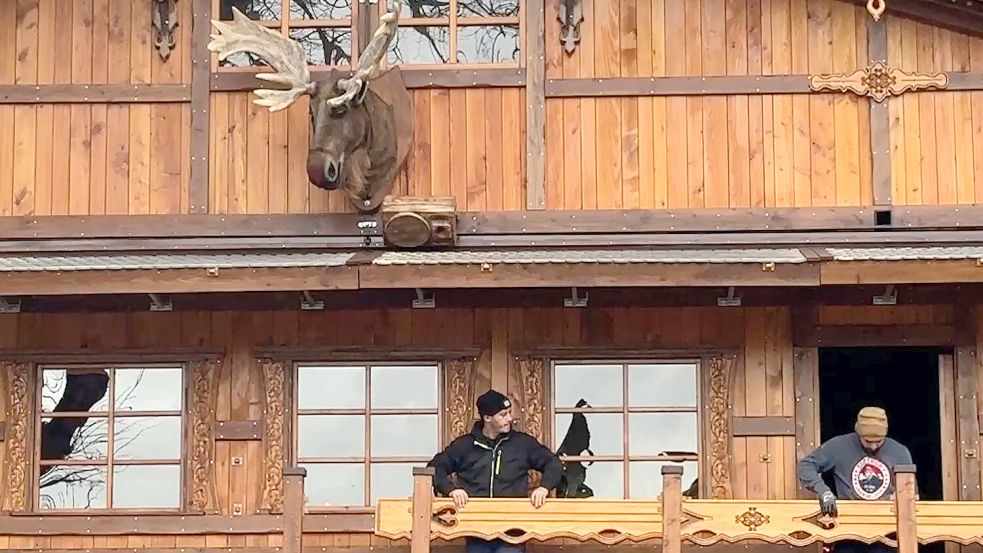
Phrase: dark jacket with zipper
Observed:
(494, 468)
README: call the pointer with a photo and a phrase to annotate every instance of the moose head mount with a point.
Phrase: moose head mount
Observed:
(361, 120)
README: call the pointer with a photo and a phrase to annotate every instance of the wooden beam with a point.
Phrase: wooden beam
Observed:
(95, 94)
(110, 356)
(763, 426)
(880, 119)
(883, 335)
(535, 45)
(968, 422)
(293, 509)
(587, 275)
(177, 281)
(805, 382)
(914, 271)
(239, 81)
(678, 86)
(201, 14)
(360, 353)
(118, 524)
(965, 80)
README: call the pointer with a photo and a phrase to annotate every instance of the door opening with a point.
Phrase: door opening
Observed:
(902, 380)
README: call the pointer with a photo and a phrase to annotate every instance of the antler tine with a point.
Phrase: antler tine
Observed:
(371, 58)
(281, 53)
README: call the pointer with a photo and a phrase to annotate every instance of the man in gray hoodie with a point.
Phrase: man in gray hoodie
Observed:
(862, 463)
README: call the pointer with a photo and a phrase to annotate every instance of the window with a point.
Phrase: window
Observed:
(361, 428)
(621, 422)
(477, 31)
(109, 437)
(324, 28)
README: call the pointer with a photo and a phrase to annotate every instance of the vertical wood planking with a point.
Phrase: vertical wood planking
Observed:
(198, 191)
(535, 43)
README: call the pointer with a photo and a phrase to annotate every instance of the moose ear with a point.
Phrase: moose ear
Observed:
(360, 97)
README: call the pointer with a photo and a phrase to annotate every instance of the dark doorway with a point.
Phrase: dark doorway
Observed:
(902, 380)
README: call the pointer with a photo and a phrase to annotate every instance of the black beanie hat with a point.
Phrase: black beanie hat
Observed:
(492, 402)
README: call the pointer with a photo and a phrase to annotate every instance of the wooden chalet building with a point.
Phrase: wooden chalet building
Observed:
(715, 228)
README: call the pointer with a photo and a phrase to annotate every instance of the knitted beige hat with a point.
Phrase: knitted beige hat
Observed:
(871, 423)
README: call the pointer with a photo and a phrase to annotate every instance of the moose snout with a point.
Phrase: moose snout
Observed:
(332, 171)
(326, 173)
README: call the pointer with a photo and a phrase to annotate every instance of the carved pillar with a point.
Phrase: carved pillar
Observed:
(273, 445)
(717, 377)
(460, 398)
(529, 394)
(14, 482)
(204, 495)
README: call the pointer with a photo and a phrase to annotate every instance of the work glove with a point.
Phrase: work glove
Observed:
(827, 504)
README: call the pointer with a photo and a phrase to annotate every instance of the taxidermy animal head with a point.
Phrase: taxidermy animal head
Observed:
(355, 116)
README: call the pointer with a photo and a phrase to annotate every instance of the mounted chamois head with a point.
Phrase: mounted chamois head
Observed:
(360, 138)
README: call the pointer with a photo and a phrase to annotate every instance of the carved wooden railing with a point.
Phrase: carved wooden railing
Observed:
(902, 523)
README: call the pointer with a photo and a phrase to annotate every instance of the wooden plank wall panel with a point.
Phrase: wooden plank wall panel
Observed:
(936, 137)
(258, 159)
(763, 382)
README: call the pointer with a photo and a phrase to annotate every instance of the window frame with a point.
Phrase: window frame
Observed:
(39, 416)
(625, 458)
(366, 412)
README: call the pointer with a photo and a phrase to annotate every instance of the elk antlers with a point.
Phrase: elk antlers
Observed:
(287, 57)
(371, 59)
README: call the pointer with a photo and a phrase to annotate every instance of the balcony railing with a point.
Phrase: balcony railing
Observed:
(902, 522)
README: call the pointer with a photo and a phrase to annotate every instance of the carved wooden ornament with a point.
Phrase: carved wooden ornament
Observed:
(529, 372)
(718, 373)
(460, 397)
(878, 81)
(203, 397)
(362, 120)
(13, 481)
(273, 412)
(876, 8)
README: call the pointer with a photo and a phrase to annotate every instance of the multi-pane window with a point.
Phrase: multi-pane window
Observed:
(109, 437)
(476, 31)
(360, 428)
(324, 28)
(616, 424)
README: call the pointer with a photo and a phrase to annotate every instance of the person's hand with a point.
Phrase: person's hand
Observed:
(827, 504)
(460, 498)
(538, 497)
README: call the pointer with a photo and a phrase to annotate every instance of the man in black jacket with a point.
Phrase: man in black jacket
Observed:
(494, 461)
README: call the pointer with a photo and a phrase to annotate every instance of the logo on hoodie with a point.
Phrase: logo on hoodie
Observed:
(870, 478)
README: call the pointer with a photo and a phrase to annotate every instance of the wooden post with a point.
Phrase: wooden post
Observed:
(904, 497)
(672, 508)
(293, 509)
(422, 508)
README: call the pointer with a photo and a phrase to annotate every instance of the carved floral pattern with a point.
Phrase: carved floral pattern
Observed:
(273, 439)
(202, 416)
(15, 463)
(752, 518)
(460, 395)
(878, 81)
(531, 377)
(718, 407)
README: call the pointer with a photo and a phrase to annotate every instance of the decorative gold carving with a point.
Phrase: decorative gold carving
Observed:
(876, 8)
(531, 376)
(878, 81)
(752, 518)
(18, 423)
(604, 521)
(460, 396)
(719, 416)
(202, 416)
(273, 439)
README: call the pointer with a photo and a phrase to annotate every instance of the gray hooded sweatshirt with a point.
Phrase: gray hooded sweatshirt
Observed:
(857, 473)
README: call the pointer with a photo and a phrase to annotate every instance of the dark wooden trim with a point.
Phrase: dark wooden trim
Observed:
(182, 226)
(340, 522)
(111, 356)
(120, 524)
(240, 81)
(882, 335)
(237, 430)
(912, 271)
(200, 62)
(669, 220)
(763, 426)
(805, 378)
(178, 281)
(614, 353)
(937, 216)
(360, 353)
(678, 86)
(94, 93)
(3, 431)
(960, 80)
(535, 50)
(293, 509)
(587, 275)
(967, 422)
(880, 120)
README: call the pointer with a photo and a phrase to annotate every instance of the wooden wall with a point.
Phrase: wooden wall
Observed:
(631, 152)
